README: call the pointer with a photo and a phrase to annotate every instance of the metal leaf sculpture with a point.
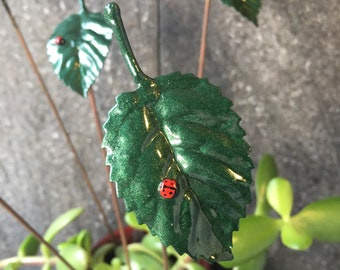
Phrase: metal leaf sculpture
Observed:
(178, 156)
(247, 8)
(78, 47)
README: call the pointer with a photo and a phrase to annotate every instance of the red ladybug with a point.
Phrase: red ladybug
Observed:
(168, 188)
(59, 40)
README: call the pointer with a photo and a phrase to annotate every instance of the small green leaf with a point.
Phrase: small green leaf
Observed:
(131, 220)
(102, 266)
(46, 266)
(293, 238)
(191, 266)
(255, 235)
(75, 255)
(102, 252)
(57, 225)
(13, 266)
(84, 240)
(247, 8)
(77, 49)
(320, 219)
(266, 171)
(141, 258)
(152, 242)
(256, 263)
(280, 196)
(29, 247)
(116, 264)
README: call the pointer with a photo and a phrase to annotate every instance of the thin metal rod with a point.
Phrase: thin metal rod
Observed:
(165, 258)
(114, 197)
(203, 38)
(24, 223)
(52, 105)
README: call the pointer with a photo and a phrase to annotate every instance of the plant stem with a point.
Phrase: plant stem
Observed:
(113, 18)
(24, 223)
(203, 38)
(29, 260)
(82, 6)
(57, 115)
(165, 258)
(115, 203)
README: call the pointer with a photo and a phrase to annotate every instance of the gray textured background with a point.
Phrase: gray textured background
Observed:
(283, 77)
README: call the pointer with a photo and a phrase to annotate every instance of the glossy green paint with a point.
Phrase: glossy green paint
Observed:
(79, 59)
(180, 127)
(247, 8)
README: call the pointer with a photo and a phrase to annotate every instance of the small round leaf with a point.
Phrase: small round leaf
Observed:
(321, 219)
(280, 196)
(293, 238)
(75, 255)
(102, 266)
(255, 235)
(29, 247)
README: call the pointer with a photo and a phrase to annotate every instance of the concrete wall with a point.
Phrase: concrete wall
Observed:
(283, 78)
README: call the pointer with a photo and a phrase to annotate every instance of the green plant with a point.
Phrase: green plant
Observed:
(78, 251)
(318, 220)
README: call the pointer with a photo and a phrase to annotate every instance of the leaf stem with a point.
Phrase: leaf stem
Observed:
(53, 107)
(115, 203)
(82, 6)
(203, 38)
(113, 18)
(29, 260)
(24, 223)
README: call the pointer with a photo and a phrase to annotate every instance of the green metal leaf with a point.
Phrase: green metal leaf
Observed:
(320, 220)
(181, 128)
(247, 8)
(78, 47)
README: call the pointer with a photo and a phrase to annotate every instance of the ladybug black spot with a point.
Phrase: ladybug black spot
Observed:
(168, 188)
(59, 40)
